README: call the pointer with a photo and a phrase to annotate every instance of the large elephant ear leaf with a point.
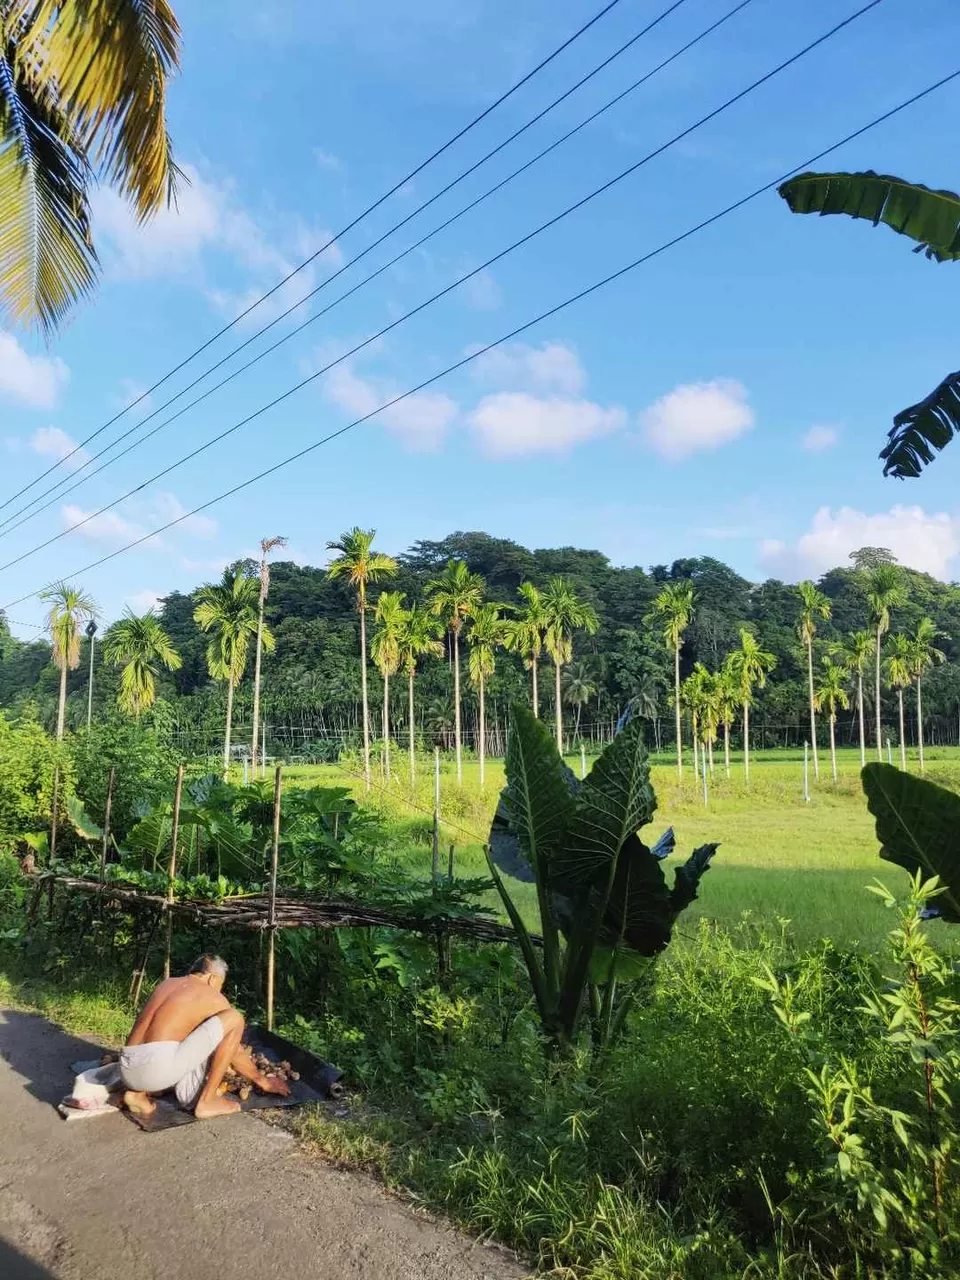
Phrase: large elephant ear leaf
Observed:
(81, 821)
(918, 826)
(531, 819)
(687, 879)
(921, 431)
(614, 801)
(932, 218)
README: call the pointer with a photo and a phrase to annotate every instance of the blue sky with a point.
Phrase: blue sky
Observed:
(729, 398)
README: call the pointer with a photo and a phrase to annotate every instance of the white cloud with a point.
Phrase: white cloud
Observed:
(326, 159)
(143, 601)
(107, 530)
(512, 423)
(696, 417)
(551, 367)
(171, 240)
(164, 507)
(481, 292)
(51, 442)
(420, 421)
(928, 542)
(34, 381)
(131, 390)
(819, 438)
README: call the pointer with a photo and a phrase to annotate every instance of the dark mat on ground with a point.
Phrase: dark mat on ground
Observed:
(318, 1080)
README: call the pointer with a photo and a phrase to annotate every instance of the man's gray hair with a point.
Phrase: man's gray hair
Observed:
(208, 963)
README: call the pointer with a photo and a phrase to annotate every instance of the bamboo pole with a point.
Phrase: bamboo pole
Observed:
(272, 935)
(52, 850)
(106, 837)
(172, 870)
(436, 815)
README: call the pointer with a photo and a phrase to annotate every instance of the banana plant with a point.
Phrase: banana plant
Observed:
(602, 898)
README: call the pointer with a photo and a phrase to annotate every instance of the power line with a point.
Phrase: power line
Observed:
(579, 204)
(323, 248)
(507, 337)
(11, 522)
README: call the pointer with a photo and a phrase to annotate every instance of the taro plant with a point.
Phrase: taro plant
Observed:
(604, 905)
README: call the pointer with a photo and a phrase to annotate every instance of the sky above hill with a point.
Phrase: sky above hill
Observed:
(727, 398)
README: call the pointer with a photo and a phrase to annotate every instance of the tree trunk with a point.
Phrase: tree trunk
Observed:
(536, 695)
(576, 723)
(877, 709)
(676, 700)
(696, 756)
(254, 741)
(726, 746)
(863, 730)
(483, 730)
(710, 754)
(363, 687)
(746, 741)
(386, 725)
(903, 737)
(410, 726)
(833, 745)
(226, 735)
(558, 708)
(456, 705)
(920, 724)
(813, 711)
(62, 704)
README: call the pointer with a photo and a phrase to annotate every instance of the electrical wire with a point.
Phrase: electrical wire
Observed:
(513, 333)
(323, 248)
(12, 522)
(544, 226)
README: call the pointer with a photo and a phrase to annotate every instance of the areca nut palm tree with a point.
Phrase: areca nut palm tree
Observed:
(831, 693)
(360, 565)
(692, 691)
(856, 653)
(82, 97)
(141, 647)
(900, 677)
(487, 633)
(418, 639)
(70, 608)
(813, 606)
(674, 609)
(566, 614)
(924, 653)
(885, 591)
(390, 616)
(711, 709)
(228, 611)
(751, 665)
(455, 596)
(578, 687)
(727, 705)
(526, 635)
(266, 546)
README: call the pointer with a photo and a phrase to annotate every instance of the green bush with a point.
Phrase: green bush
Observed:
(145, 767)
(28, 758)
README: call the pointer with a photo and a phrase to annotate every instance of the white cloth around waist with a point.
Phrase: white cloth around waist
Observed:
(172, 1064)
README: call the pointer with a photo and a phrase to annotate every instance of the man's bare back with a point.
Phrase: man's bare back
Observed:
(176, 1008)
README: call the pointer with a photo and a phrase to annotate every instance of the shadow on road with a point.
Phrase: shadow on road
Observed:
(42, 1054)
(16, 1266)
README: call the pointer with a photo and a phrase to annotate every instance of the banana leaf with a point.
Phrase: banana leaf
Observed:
(920, 432)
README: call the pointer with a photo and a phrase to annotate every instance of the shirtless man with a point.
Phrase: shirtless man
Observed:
(186, 1038)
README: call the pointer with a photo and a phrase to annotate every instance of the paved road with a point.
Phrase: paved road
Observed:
(99, 1200)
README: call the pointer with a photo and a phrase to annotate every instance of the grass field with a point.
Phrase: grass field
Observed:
(780, 857)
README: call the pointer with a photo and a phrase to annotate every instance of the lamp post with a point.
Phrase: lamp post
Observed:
(91, 634)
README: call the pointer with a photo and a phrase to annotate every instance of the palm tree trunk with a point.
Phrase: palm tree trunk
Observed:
(254, 743)
(833, 745)
(226, 735)
(558, 707)
(696, 757)
(863, 731)
(920, 723)
(746, 741)
(456, 705)
(483, 730)
(710, 754)
(576, 723)
(813, 712)
(676, 701)
(386, 725)
(410, 726)
(878, 725)
(62, 704)
(726, 746)
(536, 696)
(903, 737)
(363, 687)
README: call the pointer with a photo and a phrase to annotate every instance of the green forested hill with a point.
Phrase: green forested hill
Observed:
(312, 680)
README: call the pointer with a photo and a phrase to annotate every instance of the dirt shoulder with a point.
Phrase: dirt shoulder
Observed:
(100, 1200)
